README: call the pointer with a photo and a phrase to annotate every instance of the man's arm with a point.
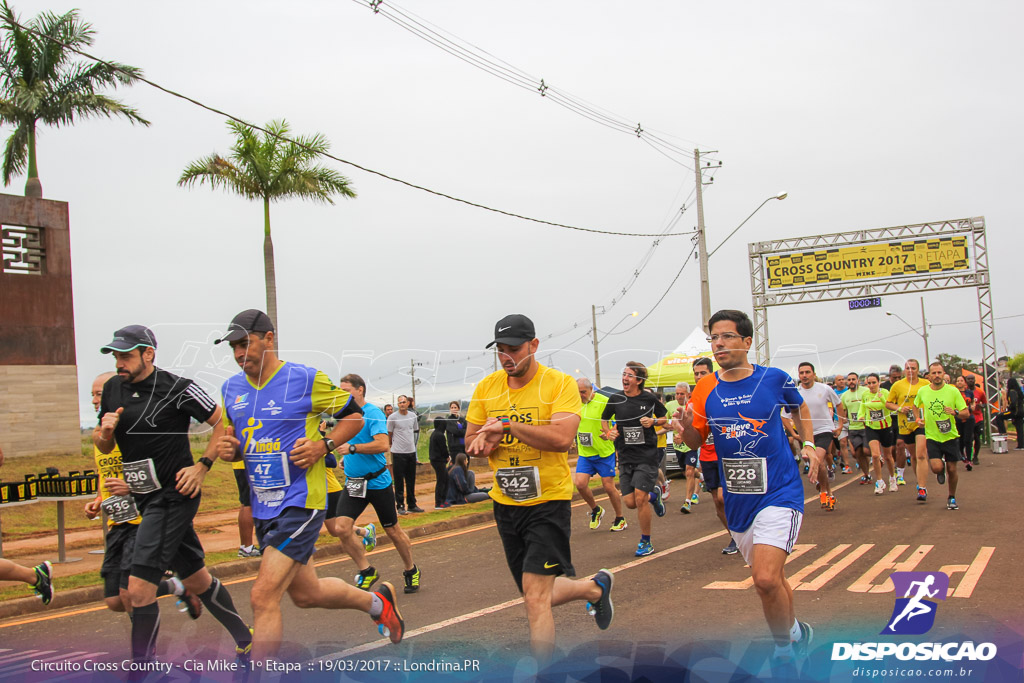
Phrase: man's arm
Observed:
(556, 436)
(189, 480)
(802, 421)
(380, 444)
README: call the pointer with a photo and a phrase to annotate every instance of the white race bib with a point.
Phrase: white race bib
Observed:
(944, 426)
(586, 439)
(519, 483)
(120, 509)
(356, 487)
(268, 470)
(633, 436)
(746, 476)
(140, 476)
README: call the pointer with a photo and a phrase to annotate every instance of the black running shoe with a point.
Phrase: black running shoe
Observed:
(44, 581)
(603, 610)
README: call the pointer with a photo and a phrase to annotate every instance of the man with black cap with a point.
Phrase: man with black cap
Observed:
(524, 418)
(146, 412)
(277, 406)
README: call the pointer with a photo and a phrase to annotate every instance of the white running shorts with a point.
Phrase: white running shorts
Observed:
(776, 526)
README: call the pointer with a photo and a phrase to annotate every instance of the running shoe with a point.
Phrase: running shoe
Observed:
(807, 468)
(968, 466)
(370, 539)
(366, 578)
(802, 646)
(389, 623)
(847, 469)
(879, 488)
(644, 548)
(730, 549)
(951, 504)
(619, 525)
(685, 508)
(243, 655)
(900, 481)
(831, 503)
(44, 581)
(416, 508)
(823, 499)
(664, 491)
(975, 461)
(595, 517)
(832, 473)
(893, 486)
(865, 479)
(401, 510)
(603, 610)
(251, 551)
(922, 493)
(190, 602)
(412, 579)
(694, 499)
(659, 507)
(941, 476)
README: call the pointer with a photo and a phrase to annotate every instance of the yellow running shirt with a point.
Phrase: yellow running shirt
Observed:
(904, 395)
(110, 466)
(548, 393)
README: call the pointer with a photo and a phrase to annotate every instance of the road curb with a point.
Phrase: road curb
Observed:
(78, 597)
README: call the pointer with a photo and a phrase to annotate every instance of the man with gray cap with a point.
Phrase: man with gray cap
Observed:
(146, 412)
(275, 406)
(524, 418)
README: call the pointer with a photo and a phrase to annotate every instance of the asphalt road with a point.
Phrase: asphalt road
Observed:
(687, 606)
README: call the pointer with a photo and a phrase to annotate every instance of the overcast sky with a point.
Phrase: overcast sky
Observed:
(869, 114)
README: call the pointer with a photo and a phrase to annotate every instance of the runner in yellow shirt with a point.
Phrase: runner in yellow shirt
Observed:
(524, 418)
(911, 430)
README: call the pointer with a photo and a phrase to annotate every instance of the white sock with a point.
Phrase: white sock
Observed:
(786, 651)
(246, 548)
(177, 587)
(795, 632)
(899, 472)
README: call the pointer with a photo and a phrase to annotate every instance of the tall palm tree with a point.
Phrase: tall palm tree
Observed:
(264, 166)
(39, 83)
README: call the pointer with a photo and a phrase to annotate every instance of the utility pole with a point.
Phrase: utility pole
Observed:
(597, 357)
(412, 374)
(702, 248)
(924, 334)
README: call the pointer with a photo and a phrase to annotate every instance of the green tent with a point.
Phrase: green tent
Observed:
(678, 365)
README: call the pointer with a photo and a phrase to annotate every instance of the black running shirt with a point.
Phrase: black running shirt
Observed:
(155, 421)
(635, 443)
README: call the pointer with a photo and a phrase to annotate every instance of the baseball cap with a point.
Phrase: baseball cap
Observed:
(130, 337)
(513, 330)
(250, 320)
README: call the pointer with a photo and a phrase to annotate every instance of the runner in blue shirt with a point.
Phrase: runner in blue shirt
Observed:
(276, 408)
(740, 405)
(368, 482)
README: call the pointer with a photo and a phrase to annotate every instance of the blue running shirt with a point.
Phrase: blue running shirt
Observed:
(745, 420)
(361, 464)
(268, 420)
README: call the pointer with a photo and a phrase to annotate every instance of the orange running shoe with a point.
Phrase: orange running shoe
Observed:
(390, 622)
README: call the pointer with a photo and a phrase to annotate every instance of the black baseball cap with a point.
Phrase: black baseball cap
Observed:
(250, 320)
(513, 330)
(130, 337)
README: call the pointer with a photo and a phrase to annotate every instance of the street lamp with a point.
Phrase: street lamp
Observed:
(705, 286)
(924, 327)
(597, 356)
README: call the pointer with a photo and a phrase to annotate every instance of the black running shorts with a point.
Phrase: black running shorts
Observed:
(857, 440)
(944, 450)
(882, 436)
(117, 558)
(712, 479)
(536, 538)
(382, 500)
(165, 538)
(641, 477)
(333, 500)
(823, 440)
(242, 482)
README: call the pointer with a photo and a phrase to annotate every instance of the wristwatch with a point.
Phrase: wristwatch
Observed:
(351, 448)
(330, 445)
(206, 461)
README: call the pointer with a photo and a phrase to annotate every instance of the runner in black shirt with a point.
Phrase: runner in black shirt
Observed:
(146, 412)
(638, 414)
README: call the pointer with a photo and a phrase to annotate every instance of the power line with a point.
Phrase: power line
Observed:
(353, 164)
(485, 61)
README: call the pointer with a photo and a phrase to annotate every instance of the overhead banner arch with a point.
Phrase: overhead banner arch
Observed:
(950, 254)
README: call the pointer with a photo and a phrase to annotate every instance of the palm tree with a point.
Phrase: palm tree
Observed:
(39, 83)
(266, 166)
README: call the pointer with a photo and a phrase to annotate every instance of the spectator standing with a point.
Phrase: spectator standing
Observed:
(456, 427)
(439, 454)
(402, 428)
